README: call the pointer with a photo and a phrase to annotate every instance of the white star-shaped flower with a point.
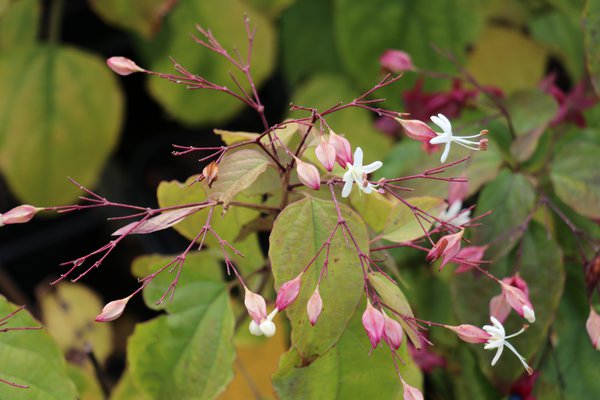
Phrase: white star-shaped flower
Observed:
(497, 340)
(446, 137)
(358, 173)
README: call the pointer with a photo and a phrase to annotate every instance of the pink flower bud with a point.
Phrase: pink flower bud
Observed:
(593, 328)
(314, 307)
(392, 332)
(256, 306)
(19, 215)
(308, 174)
(396, 61)
(343, 151)
(457, 191)
(417, 130)
(516, 293)
(123, 66)
(373, 322)
(112, 310)
(447, 247)
(499, 308)
(469, 256)
(288, 292)
(470, 333)
(326, 154)
(411, 393)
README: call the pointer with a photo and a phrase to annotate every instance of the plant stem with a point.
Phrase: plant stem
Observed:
(55, 20)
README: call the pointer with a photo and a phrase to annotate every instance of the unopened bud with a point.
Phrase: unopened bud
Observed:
(254, 328)
(396, 61)
(211, 173)
(499, 308)
(343, 150)
(288, 292)
(411, 393)
(516, 293)
(308, 174)
(447, 247)
(123, 66)
(392, 332)
(268, 328)
(592, 326)
(19, 215)
(469, 333)
(256, 306)
(417, 130)
(112, 310)
(373, 322)
(314, 306)
(325, 153)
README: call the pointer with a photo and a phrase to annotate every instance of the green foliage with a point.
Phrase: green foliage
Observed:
(18, 23)
(140, 16)
(402, 224)
(591, 19)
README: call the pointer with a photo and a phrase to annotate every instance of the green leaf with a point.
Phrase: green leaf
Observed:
(226, 20)
(347, 372)
(591, 32)
(19, 23)
(403, 226)
(61, 117)
(271, 8)
(392, 295)
(324, 91)
(510, 197)
(187, 353)
(575, 176)
(86, 383)
(127, 389)
(31, 358)
(143, 17)
(299, 231)
(374, 208)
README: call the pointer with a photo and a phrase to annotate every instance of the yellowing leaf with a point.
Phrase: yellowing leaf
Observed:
(403, 226)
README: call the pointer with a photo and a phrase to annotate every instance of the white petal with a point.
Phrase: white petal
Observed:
(348, 175)
(529, 314)
(497, 356)
(374, 166)
(367, 189)
(347, 187)
(358, 157)
(445, 153)
(255, 329)
(446, 121)
(268, 328)
(436, 120)
(441, 138)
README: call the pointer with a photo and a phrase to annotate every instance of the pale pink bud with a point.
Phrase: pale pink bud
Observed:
(19, 215)
(123, 66)
(372, 321)
(470, 333)
(457, 191)
(517, 295)
(256, 306)
(499, 308)
(447, 247)
(593, 328)
(343, 151)
(288, 292)
(325, 153)
(469, 256)
(396, 61)
(411, 393)
(112, 310)
(417, 130)
(392, 332)
(314, 307)
(308, 174)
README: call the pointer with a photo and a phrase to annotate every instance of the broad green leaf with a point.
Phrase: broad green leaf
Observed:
(510, 197)
(591, 32)
(299, 231)
(374, 208)
(347, 372)
(228, 226)
(540, 265)
(392, 295)
(575, 176)
(69, 312)
(86, 383)
(19, 23)
(226, 20)
(531, 112)
(126, 389)
(403, 226)
(187, 353)
(31, 358)
(271, 8)
(237, 172)
(497, 59)
(324, 91)
(60, 118)
(140, 16)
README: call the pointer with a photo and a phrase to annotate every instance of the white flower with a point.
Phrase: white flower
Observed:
(455, 215)
(358, 173)
(446, 137)
(497, 340)
(266, 327)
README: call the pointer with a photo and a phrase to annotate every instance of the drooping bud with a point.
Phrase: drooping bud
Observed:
(112, 310)
(396, 61)
(256, 306)
(19, 215)
(343, 150)
(314, 306)
(123, 66)
(499, 308)
(469, 333)
(288, 292)
(457, 191)
(417, 130)
(308, 174)
(411, 393)
(373, 322)
(325, 153)
(469, 255)
(211, 173)
(516, 293)
(447, 247)
(592, 326)
(392, 332)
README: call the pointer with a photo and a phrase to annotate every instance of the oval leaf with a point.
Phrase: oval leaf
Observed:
(403, 226)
